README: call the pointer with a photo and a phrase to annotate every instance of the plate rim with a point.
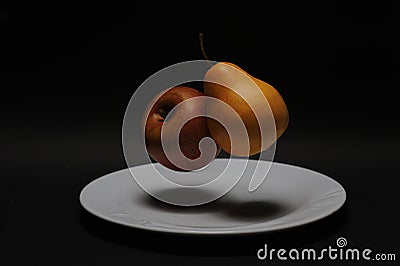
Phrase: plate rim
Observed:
(222, 232)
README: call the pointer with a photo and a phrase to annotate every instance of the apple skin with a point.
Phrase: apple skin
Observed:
(191, 133)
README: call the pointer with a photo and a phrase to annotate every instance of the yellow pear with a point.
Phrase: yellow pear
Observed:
(259, 105)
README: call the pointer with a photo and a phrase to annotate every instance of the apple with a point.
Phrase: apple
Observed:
(191, 133)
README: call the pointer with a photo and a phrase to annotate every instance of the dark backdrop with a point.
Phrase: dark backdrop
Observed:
(69, 68)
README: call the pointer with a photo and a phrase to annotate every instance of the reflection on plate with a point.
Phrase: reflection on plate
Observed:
(289, 197)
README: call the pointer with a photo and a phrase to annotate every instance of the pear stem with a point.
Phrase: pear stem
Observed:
(203, 51)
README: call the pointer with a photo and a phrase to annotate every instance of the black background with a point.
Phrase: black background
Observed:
(69, 68)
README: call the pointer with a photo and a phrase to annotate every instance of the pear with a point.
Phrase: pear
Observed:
(251, 98)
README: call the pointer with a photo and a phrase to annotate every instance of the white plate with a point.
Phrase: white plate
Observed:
(289, 197)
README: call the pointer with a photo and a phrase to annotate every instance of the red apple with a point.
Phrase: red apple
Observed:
(189, 136)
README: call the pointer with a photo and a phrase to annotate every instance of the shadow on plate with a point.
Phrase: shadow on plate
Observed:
(255, 211)
(183, 195)
(198, 245)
